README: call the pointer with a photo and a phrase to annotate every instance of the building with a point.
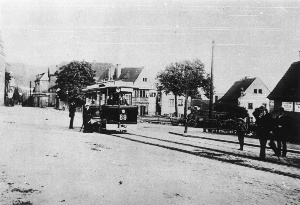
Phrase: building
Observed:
(43, 94)
(249, 93)
(2, 73)
(286, 94)
(167, 104)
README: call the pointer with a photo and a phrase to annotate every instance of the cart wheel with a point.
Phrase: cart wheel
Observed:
(192, 123)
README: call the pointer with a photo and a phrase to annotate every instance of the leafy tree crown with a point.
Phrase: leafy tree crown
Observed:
(72, 78)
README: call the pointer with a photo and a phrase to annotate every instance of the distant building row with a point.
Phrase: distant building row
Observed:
(145, 95)
(250, 93)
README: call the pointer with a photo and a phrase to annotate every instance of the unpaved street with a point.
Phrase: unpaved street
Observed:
(44, 162)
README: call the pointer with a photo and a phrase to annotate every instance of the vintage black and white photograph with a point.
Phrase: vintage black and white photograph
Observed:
(149, 102)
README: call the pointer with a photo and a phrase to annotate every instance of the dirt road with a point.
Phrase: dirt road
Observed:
(43, 162)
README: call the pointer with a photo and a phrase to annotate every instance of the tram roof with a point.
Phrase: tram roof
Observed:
(109, 84)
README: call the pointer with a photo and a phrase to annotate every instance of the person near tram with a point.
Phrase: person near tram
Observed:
(110, 100)
(281, 132)
(122, 100)
(72, 110)
(264, 124)
(87, 116)
(241, 130)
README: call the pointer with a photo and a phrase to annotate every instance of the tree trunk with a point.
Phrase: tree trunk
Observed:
(176, 106)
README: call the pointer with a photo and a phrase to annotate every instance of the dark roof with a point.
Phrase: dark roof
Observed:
(130, 74)
(235, 91)
(288, 88)
(101, 70)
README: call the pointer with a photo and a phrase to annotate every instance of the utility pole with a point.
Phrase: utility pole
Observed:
(211, 95)
(30, 100)
(186, 101)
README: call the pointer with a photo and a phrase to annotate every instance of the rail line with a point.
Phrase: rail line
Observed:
(214, 154)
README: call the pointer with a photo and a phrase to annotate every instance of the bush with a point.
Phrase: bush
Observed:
(9, 102)
(233, 111)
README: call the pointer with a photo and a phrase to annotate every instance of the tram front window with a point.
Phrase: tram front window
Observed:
(122, 100)
(110, 100)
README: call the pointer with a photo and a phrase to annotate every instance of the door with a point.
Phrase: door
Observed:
(142, 110)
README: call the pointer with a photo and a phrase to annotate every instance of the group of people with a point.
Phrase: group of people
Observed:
(121, 100)
(87, 116)
(265, 126)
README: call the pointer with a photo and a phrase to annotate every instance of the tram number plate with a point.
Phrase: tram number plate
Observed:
(123, 117)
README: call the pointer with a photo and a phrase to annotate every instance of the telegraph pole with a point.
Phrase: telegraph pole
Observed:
(30, 98)
(211, 96)
(186, 101)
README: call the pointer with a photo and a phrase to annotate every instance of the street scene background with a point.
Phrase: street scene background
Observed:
(229, 59)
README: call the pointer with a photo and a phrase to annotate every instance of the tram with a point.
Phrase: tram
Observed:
(108, 113)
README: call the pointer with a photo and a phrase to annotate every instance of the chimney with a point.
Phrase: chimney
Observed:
(118, 71)
(111, 73)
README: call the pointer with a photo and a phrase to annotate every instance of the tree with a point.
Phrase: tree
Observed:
(185, 78)
(16, 95)
(72, 78)
(7, 80)
(169, 82)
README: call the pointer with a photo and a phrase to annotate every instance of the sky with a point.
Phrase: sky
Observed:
(252, 38)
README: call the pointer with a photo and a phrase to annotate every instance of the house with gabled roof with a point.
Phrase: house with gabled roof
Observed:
(44, 94)
(249, 93)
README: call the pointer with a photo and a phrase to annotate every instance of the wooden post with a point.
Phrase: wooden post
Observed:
(211, 83)
(186, 100)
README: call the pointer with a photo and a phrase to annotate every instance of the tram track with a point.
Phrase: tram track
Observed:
(224, 156)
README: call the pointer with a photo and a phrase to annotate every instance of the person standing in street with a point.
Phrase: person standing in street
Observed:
(72, 110)
(263, 122)
(87, 116)
(241, 130)
(281, 132)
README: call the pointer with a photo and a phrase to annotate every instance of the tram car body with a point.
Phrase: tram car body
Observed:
(115, 116)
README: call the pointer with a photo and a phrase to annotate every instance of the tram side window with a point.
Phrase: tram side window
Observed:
(103, 99)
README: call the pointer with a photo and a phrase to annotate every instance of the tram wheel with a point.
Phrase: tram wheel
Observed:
(192, 123)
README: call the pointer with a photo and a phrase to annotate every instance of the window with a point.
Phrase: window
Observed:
(180, 102)
(171, 102)
(144, 79)
(250, 106)
(152, 94)
(260, 91)
(144, 93)
(255, 91)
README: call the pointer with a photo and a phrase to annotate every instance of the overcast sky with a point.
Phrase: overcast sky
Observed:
(252, 38)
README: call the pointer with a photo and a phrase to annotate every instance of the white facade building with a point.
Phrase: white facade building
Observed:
(249, 93)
